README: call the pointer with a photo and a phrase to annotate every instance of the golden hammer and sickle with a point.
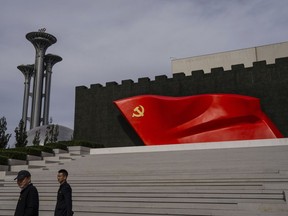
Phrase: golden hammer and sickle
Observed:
(138, 111)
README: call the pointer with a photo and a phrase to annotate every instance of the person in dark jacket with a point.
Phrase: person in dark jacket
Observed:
(28, 202)
(64, 195)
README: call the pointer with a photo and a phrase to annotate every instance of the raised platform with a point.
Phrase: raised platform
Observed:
(194, 146)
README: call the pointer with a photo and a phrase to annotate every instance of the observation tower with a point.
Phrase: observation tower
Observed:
(27, 71)
(40, 73)
(50, 61)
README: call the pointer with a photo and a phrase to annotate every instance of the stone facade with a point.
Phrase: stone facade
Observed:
(97, 119)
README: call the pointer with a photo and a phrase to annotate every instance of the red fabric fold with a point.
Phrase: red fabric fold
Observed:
(201, 118)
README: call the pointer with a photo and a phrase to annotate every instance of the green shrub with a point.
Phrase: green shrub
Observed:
(43, 148)
(57, 146)
(29, 151)
(3, 160)
(13, 154)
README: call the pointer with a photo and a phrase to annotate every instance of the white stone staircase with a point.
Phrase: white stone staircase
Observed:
(229, 179)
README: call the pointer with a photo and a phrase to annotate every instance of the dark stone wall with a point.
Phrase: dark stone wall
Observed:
(97, 119)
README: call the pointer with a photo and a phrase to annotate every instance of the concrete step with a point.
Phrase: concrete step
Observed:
(37, 162)
(17, 168)
(234, 182)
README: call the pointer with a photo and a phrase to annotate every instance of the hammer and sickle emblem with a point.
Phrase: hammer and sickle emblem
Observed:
(138, 111)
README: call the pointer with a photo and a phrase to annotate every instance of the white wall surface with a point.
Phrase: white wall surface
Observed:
(226, 59)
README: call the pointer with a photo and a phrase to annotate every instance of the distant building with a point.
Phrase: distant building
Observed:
(225, 59)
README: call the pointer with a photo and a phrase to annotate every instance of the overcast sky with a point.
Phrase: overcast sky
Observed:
(112, 40)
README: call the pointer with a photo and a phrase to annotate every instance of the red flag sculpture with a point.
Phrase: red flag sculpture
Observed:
(201, 118)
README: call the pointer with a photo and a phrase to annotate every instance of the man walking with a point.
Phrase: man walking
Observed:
(64, 196)
(28, 202)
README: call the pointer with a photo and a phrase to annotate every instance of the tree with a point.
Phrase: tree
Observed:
(4, 138)
(36, 139)
(52, 132)
(21, 135)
